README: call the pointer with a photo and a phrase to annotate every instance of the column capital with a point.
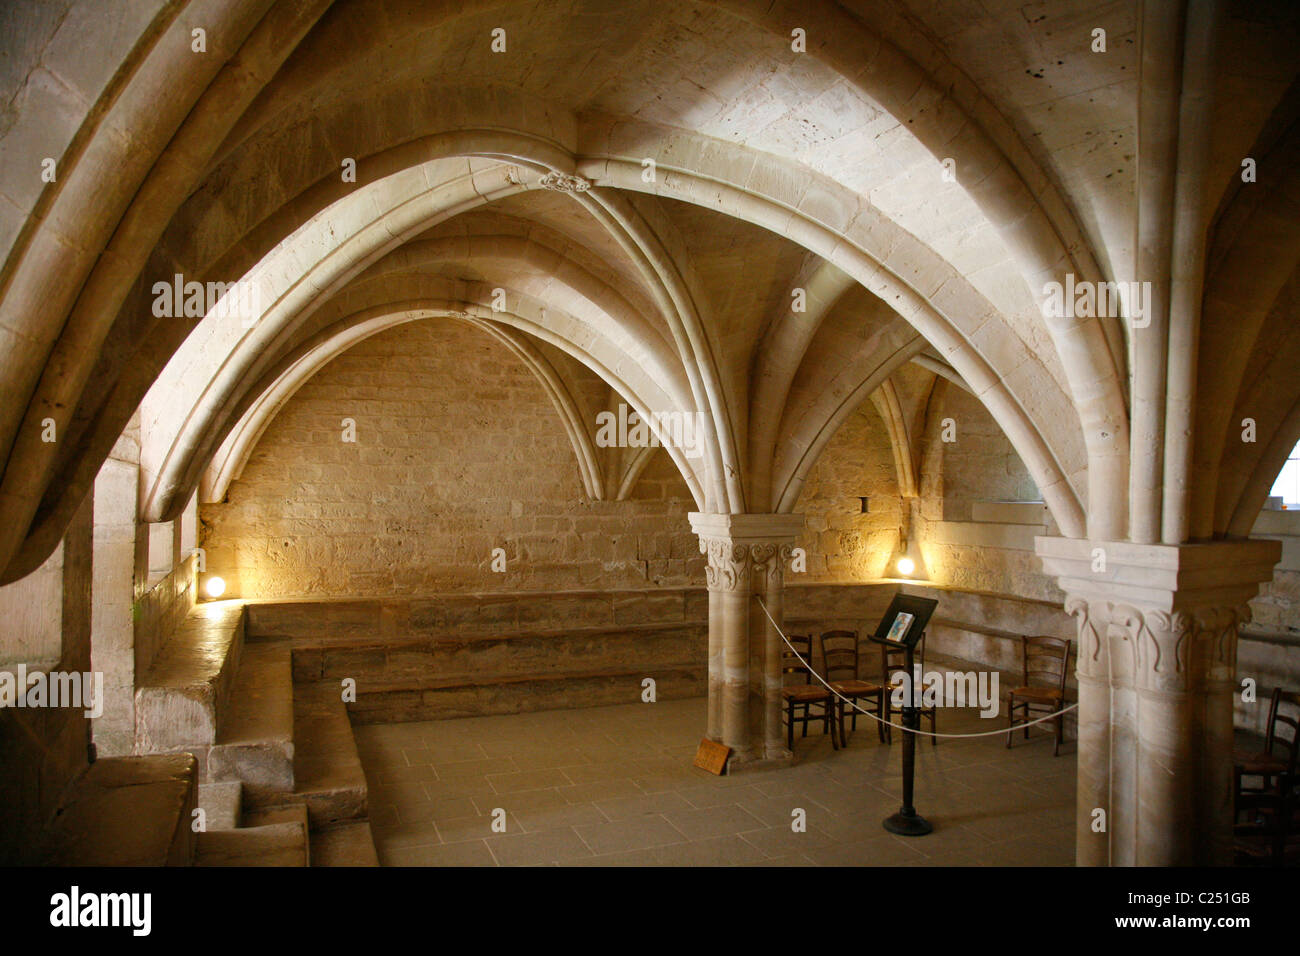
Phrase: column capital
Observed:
(1156, 659)
(1172, 578)
(738, 543)
(747, 529)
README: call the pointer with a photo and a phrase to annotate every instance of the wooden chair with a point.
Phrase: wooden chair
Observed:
(1270, 834)
(1046, 661)
(1270, 765)
(840, 652)
(894, 659)
(803, 695)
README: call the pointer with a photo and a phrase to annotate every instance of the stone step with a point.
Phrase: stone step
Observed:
(128, 811)
(295, 812)
(327, 770)
(255, 741)
(345, 844)
(221, 804)
(465, 613)
(397, 701)
(181, 701)
(463, 657)
(273, 844)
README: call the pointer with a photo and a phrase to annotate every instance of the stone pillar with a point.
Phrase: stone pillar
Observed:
(112, 649)
(746, 554)
(1156, 664)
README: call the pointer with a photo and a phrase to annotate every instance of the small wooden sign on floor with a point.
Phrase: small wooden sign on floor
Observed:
(712, 756)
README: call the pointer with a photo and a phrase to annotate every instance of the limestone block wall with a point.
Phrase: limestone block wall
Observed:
(841, 542)
(1277, 609)
(113, 618)
(160, 611)
(980, 464)
(32, 611)
(967, 540)
(457, 452)
(453, 654)
(43, 749)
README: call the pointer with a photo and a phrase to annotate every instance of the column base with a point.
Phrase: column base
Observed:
(743, 763)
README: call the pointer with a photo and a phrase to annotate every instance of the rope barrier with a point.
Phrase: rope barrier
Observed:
(924, 733)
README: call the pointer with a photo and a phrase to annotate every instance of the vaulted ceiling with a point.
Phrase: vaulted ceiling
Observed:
(753, 212)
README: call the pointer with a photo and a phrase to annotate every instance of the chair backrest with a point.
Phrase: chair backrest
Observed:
(1046, 661)
(790, 663)
(1284, 726)
(840, 652)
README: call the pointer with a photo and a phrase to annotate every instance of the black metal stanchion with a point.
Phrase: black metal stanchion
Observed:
(907, 822)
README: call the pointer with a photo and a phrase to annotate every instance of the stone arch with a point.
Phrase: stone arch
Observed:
(800, 219)
(1093, 409)
(308, 359)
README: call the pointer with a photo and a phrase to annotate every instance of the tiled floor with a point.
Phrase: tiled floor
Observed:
(615, 786)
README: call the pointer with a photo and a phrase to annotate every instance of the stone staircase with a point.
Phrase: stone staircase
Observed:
(279, 778)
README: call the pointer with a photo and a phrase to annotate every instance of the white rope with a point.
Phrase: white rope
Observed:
(909, 730)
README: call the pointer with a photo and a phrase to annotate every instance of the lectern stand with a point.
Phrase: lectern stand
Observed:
(907, 822)
(903, 626)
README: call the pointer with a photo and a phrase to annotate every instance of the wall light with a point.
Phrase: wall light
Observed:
(215, 586)
(906, 566)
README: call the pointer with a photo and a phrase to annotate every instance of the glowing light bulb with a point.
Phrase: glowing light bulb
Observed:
(215, 587)
(906, 566)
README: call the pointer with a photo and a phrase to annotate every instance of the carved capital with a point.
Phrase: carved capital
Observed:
(564, 182)
(1154, 648)
(728, 565)
(741, 546)
(1091, 650)
(769, 560)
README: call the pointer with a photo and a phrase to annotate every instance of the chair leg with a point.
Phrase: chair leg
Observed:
(1011, 719)
(807, 715)
(1060, 727)
(789, 737)
(880, 712)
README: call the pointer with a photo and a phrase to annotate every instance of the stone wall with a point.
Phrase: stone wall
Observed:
(966, 540)
(458, 654)
(113, 621)
(33, 615)
(160, 611)
(458, 452)
(43, 749)
(841, 542)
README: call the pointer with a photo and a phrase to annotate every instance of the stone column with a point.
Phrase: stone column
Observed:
(765, 647)
(745, 558)
(1156, 665)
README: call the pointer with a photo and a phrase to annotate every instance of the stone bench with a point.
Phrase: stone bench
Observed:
(180, 701)
(328, 777)
(255, 743)
(521, 652)
(448, 698)
(128, 811)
